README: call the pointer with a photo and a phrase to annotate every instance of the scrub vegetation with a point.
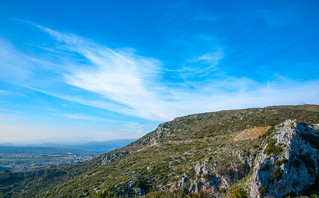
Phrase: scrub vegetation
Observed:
(165, 162)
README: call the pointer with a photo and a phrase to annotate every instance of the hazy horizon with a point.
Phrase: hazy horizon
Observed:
(60, 141)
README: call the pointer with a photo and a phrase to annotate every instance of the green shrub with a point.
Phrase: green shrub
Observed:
(241, 169)
(272, 129)
(222, 190)
(277, 162)
(198, 157)
(226, 171)
(143, 185)
(256, 146)
(239, 193)
(272, 149)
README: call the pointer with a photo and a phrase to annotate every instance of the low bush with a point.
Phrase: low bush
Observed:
(272, 149)
(239, 193)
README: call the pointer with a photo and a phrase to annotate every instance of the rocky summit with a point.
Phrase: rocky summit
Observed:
(258, 152)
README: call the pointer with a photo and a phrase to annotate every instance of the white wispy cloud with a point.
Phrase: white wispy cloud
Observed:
(12, 62)
(134, 85)
(205, 64)
(81, 117)
(211, 58)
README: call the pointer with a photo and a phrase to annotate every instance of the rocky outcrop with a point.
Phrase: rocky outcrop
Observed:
(288, 162)
(211, 180)
(106, 159)
(149, 139)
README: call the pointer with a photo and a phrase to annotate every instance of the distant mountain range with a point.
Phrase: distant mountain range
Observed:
(65, 147)
(103, 146)
(257, 152)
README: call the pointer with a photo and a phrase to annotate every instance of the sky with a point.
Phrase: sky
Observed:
(84, 71)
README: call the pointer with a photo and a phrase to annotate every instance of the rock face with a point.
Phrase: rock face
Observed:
(110, 158)
(288, 161)
(293, 168)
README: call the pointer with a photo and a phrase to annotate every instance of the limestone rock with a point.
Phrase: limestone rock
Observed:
(291, 171)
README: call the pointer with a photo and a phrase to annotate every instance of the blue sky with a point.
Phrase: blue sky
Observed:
(98, 70)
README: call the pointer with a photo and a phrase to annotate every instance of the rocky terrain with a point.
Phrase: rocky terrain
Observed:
(261, 152)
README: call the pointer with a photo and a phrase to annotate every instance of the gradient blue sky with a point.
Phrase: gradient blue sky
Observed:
(98, 70)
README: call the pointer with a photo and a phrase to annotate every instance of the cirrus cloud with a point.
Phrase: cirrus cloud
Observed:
(125, 82)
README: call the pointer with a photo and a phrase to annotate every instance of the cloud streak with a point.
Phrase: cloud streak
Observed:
(134, 85)
(81, 117)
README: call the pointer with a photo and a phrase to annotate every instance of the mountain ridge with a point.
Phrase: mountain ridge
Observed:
(174, 157)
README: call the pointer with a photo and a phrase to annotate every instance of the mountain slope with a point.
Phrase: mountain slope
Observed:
(213, 153)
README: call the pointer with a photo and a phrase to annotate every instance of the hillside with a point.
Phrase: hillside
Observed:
(258, 152)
